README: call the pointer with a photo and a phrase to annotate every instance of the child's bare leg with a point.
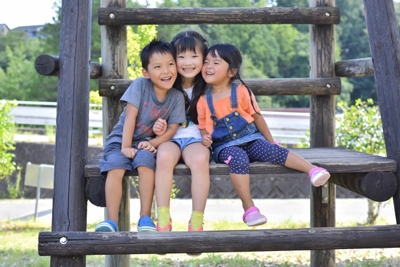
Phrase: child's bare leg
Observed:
(113, 190)
(197, 157)
(318, 176)
(168, 155)
(296, 162)
(146, 189)
(241, 182)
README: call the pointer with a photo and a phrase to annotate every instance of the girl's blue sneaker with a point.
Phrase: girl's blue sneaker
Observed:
(106, 226)
(145, 224)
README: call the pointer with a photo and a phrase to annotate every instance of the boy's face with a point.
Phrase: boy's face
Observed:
(161, 71)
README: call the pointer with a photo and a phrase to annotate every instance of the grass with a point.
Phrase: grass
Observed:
(18, 247)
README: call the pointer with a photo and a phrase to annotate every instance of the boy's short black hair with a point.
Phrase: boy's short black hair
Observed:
(155, 46)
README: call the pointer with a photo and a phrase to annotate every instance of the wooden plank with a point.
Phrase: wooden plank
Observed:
(288, 86)
(232, 15)
(384, 42)
(69, 209)
(321, 238)
(354, 67)
(335, 160)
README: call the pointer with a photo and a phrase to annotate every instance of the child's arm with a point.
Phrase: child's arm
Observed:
(160, 127)
(205, 138)
(169, 133)
(263, 127)
(131, 113)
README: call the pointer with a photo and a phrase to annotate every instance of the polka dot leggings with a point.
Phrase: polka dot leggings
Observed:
(239, 157)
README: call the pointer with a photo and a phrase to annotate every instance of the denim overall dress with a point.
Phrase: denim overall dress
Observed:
(232, 129)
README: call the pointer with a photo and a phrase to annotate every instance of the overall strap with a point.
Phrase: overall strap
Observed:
(233, 98)
(210, 104)
(234, 101)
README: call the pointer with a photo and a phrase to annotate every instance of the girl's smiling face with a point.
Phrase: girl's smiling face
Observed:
(216, 70)
(189, 63)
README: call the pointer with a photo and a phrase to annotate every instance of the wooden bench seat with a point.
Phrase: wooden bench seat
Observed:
(335, 160)
(368, 175)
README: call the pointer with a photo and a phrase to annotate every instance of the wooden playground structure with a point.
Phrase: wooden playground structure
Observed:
(372, 176)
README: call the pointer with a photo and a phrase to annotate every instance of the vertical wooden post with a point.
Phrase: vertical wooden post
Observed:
(114, 61)
(322, 127)
(384, 42)
(69, 205)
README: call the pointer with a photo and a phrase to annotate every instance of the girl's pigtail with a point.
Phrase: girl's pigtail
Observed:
(250, 93)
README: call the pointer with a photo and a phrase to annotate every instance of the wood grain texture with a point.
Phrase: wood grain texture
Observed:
(354, 67)
(91, 243)
(232, 15)
(288, 86)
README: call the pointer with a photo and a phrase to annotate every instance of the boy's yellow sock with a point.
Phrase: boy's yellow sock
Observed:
(196, 221)
(163, 216)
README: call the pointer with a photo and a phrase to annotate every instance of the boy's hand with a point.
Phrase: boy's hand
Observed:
(129, 152)
(160, 127)
(206, 140)
(147, 146)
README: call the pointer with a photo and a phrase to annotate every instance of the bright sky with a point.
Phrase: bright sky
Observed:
(17, 13)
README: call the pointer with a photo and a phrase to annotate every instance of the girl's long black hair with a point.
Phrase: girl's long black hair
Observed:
(231, 55)
(188, 41)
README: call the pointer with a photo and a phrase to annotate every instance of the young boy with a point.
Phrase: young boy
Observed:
(132, 143)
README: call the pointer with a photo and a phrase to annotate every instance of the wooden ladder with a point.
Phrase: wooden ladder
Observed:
(372, 176)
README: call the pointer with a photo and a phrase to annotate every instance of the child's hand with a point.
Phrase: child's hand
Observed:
(160, 126)
(147, 146)
(129, 152)
(206, 140)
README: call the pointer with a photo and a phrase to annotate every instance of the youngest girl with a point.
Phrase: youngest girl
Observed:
(230, 122)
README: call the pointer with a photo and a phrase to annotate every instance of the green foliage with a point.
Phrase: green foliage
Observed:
(360, 127)
(136, 41)
(7, 145)
(13, 189)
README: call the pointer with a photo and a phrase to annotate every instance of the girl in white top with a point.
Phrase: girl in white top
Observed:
(186, 145)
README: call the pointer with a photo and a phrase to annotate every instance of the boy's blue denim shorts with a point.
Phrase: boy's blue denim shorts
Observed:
(184, 142)
(114, 159)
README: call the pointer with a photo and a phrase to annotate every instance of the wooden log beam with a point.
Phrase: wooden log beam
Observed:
(235, 15)
(319, 238)
(378, 186)
(354, 67)
(289, 86)
(49, 65)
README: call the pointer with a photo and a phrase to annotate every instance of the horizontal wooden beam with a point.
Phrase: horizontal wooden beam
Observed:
(49, 65)
(235, 15)
(92, 243)
(354, 67)
(378, 186)
(288, 86)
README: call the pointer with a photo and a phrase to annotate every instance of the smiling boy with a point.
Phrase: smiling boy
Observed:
(132, 144)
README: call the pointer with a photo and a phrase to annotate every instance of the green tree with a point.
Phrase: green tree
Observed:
(7, 129)
(360, 128)
(136, 41)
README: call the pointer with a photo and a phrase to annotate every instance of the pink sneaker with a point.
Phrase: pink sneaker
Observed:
(253, 217)
(318, 176)
(167, 228)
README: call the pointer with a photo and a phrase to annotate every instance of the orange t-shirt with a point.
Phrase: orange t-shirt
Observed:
(223, 107)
